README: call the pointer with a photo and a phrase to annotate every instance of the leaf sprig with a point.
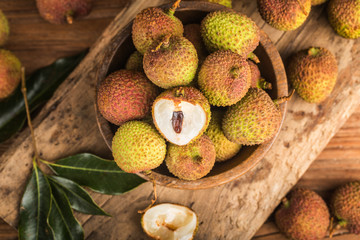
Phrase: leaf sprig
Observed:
(46, 210)
(40, 87)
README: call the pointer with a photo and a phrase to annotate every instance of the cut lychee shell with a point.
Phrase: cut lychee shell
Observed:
(181, 114)
(170, 222)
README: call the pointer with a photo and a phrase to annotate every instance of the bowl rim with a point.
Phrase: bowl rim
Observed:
(230, 174)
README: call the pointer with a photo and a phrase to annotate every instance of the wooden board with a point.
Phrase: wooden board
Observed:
(232, 204)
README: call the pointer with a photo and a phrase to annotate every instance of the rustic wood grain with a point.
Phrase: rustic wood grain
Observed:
(38, 43)
(7, 232)
(223, 209)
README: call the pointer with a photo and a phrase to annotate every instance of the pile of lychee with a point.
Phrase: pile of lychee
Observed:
(10, 66)
(189, 95)
(306, 216)
(287, 15)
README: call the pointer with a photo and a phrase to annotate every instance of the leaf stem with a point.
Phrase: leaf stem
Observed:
(23, 90)
(155, 195)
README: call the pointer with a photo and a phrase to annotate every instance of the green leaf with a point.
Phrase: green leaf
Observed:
(40, 87)
(100, 175)
(61, 219)
(35, 208)
(79, 199)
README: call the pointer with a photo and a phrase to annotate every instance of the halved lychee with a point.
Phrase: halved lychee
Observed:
(181, 114)
(170, 222)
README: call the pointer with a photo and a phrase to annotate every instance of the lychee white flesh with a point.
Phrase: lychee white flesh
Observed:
(194, 119)
(170, 222)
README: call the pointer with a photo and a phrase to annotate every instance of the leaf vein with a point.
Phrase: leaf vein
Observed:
(86, 169)
(62, 217)
(38, 202)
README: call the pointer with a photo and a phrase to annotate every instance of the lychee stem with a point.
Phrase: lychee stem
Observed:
(164, 43)
(172, 10)
(180, 92)
(333, 227)
(149, 173)
(302, 7)
(69, 18)
(253, 57)
(285, 202)
(342, 223)
(263, 84)
(313, 51)
(284, 99)
(235, 72)
(23, 90)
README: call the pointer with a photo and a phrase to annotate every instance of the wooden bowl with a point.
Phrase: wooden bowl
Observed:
(271, 68)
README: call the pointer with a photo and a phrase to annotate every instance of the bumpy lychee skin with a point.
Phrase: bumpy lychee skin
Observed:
(125, 95)
(63, 11)
(345, 205)
(256, 80)
(284, 15)
(223, 147)
(304, 216)
(4, 29)
(152, 24)
(181, 114)
(192, 33)
(317, 2)
(137, 146)
(229, 30)
(255, 73)
(224, 78)
(344, 17)
(10, 73)
(135, 62)
(253, 120)
(192, 161)
(171, 62)
(313, 73)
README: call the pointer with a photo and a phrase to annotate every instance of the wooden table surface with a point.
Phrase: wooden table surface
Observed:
(38, 43)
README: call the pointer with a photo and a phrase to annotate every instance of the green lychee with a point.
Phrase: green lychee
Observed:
(63, 11)
(171, 62)
(230, 30)
(255, 119)
(137, 147)
(224, 78)
(304, 216)
(192, 161)
(125, 95)
(345, 205)
(192, 33)
(223, 147)
(181, 114)
(152, 24)
(313, 73)
(256, 80)
(344, 17)
(135, 62)
(10, 73)
(4, 29)
(284, 15)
